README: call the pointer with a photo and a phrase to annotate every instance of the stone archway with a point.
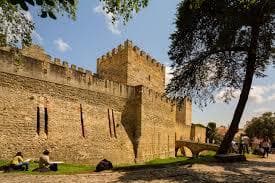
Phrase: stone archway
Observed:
(195, 147)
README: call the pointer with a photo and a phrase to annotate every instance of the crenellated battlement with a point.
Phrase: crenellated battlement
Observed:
(110, 54)
(35, 63)
(129, 65)
(129, 47)
(57, 71)
(148, 59)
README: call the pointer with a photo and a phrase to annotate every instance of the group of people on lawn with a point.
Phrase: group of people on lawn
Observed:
(18, 163)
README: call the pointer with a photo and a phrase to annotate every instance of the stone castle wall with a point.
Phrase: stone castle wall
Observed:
(198, 133)
(80, 118)
(157, 124)
(113, 65)
(184, 120)
(26, 89)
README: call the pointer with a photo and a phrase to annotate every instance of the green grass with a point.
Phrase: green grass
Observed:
(3, 162)
(208, 153)
(161, 163)
(166, 161)
(62, 168)
(157, 163)
(252, 156)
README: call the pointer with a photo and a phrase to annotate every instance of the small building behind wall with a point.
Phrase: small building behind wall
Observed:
(198, 133)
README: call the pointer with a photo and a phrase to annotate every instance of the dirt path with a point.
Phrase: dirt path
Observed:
(256, 170)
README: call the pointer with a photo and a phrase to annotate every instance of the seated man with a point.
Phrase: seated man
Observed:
(18, 163)
(44, 160)
(45, 164)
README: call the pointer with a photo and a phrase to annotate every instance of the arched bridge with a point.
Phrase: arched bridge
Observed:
(195, 147)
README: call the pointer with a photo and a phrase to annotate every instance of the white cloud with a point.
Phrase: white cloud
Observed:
(168, 74)
(28, 15)
(112, 26)
(37, 37)
(62, 45)
(272, 97)
(258, 94)
(261, 110)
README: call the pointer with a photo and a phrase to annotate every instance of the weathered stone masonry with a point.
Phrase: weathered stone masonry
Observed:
(119, 113)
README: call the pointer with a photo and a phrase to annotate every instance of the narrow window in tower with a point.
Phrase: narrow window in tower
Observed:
(168, 145)
(38, 120)
(46, 120)
(110, 127)
(82, 121)
(149, 78)
(114, 125)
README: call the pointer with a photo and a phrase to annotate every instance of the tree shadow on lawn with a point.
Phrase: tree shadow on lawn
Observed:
(249, 171)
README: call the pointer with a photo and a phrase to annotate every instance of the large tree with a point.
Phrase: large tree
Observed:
(16, 27)
(220, 45)
(262, 126)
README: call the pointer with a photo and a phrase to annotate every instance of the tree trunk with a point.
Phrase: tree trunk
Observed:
(250, 69)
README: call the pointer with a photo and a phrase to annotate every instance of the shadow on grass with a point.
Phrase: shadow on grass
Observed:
(165, 163)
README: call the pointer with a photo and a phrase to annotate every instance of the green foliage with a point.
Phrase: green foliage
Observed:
(211, 43)
(15, 27)
(211, 131)
(48, 8)
(262, 126)
(123, 8)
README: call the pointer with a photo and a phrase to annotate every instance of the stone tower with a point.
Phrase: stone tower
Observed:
(184, 120)
(127, 64)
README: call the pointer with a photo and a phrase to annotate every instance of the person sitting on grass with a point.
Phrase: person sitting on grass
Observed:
(18, 163)
(45, 164)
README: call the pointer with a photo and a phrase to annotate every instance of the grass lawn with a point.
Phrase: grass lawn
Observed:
(62, 168)
(205, 157)
(157, 163)
(252, 156)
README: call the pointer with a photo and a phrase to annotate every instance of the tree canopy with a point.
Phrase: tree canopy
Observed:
(219, 45)
(210, 46)
(15, 27)
(124, 8)
(261, 126)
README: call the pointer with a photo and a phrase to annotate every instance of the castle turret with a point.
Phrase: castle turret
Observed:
(184, 120)
(129, 65)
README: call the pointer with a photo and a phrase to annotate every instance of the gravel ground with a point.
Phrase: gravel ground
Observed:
(255, 170)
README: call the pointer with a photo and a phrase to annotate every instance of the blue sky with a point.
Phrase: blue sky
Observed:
(82, 41)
